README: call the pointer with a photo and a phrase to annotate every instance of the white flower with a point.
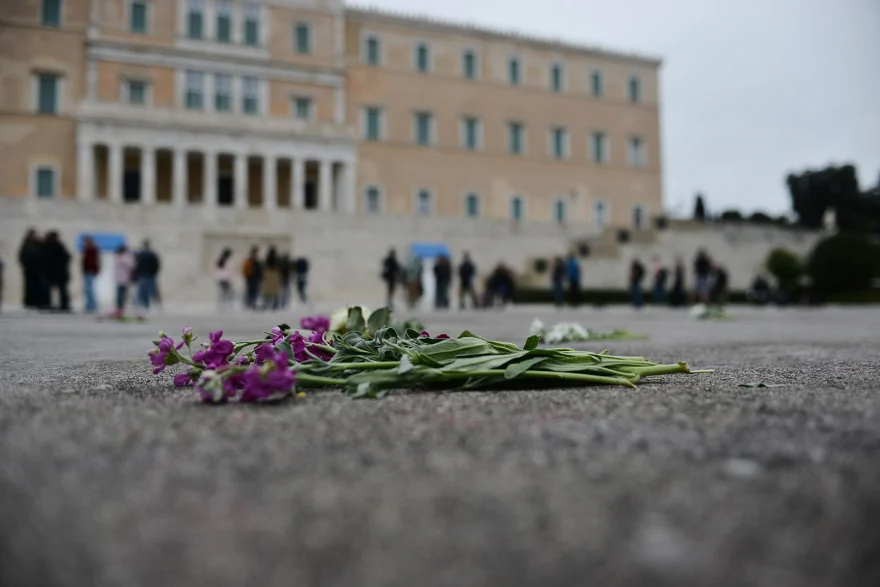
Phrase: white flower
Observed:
(699, 311)
(567, 332)
(537, 328)
(339, 317)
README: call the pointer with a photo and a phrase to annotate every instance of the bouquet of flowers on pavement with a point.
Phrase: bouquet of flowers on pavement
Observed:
(337, 322)
(574, 332)
(372, 358)
(704, 312)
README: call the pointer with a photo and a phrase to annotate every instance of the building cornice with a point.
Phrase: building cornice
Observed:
(181, 59)
(444, 26)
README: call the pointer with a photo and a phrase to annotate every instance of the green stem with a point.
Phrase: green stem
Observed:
(660, 369)
(362, 366)
(553, 375)
(323, 347)
(306, 380)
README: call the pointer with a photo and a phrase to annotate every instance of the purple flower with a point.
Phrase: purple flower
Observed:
(216, 354)
(187, 335)
(273, 379)
(298, 343)
(317, 323)
(318, 338)
(188, 378)
(264, 352)
(439, 336)
(164, 354)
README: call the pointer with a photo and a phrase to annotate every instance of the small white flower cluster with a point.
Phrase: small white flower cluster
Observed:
(561, 332)
(699, 311)
(339, 317)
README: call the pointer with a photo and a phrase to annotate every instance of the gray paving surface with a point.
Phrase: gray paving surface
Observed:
(110, 476)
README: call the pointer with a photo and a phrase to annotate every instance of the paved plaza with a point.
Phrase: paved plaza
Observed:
(110, 476)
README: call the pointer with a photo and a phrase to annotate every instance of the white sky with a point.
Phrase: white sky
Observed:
(750, 89)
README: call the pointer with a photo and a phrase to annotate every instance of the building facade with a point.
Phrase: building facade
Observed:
(150, 116)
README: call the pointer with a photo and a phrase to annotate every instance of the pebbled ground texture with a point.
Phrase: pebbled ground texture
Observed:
(109, 476)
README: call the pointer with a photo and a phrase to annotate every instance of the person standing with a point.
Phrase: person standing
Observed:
(29, 259)
(636, 275)
(252, 270)
(123, 269)
(56, 263)
(302, 278)
(391, 274)
(467, 272)
(91, 267)
(719, 286)
(557, 281)
(270, 285)
(285, 265)
(573, 273)
(677, 295)
(442, 282)
(660, 276)
(702, 277)
(413, 277)
(146, 270)
(223, 274)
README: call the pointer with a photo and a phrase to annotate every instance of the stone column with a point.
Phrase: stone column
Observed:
(148, 176)
(179, 195)
(297, 183)
(114, 179)
(209, 179)
(85, 172)
(348, 188)
(270, 186)
(325, 185)
(240, 181)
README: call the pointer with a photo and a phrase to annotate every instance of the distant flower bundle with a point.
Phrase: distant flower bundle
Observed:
(574, 332)
(372, 358)
(704, 312)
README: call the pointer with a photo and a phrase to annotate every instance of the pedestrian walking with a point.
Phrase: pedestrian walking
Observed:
(29, 257)
(123, 271)
(660, 276)
(413, 277)
(302, 279)
(467, 272)
(270, 285)
(678, 295)
(285, 267)
(252, 270)
(223, 274)
(391, 275)
(573, 274)
(636, 275)
(442, 282)
(56, 266)
(146, 270)
(91, 267)
(558, 274)
(702, 277)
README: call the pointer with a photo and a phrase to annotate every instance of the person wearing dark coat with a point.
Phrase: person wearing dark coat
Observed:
(442, 282)
(391, 274)
(30, 259)
(302, 278)
(467, 271)
(56, 266)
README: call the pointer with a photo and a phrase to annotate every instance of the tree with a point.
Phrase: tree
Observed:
(813, 193)
(699, 208)
(844, 263)
(731, 216)
(785, 266)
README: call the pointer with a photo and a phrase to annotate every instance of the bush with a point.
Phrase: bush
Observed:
(785, 266)
(843, 264)
(761, 218)
(731, 216)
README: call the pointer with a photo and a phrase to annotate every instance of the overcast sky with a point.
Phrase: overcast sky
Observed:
(750, 89)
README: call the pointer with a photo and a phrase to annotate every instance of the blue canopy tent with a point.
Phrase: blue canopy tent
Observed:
(107, 242)
(430, 250)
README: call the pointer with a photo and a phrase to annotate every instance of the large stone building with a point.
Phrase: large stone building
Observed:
(332, 132)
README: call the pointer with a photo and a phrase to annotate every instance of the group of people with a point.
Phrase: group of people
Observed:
(267, 281)
(45, 264)
(499, 287)
(709, 287)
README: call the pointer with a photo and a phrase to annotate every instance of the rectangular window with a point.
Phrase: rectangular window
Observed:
(423, 202)
(252, 24)
(513, 74)
(558, 143)
(423, 57)
(250, 95)
(472, 206)
(635, 90)
(138, 17)
(636, 152)
(469, 64)
(45, 182)
(136, 92)
(598, 147)
(195, 81)
(51, 14)
(222, 92)
(302, 108)
(373, 199)
(638, 216)
(47, 93)
(515, 138)
(303, 35)
(556, 78)
(597, 84)
(471, 138)
(600, 214)
(516, 209)
(423, 121)
(373, 123)
(559, 211)
(194, 18)
(372, 50)
(224, 21)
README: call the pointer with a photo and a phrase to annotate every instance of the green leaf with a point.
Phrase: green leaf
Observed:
(355, 322)
(532, 342)
(285, 348)
(516, 369)
(482, 363)
(378, 319)
(761, 384)
(405, 365)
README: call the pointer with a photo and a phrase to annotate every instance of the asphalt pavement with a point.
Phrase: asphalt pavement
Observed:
(110, 476)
